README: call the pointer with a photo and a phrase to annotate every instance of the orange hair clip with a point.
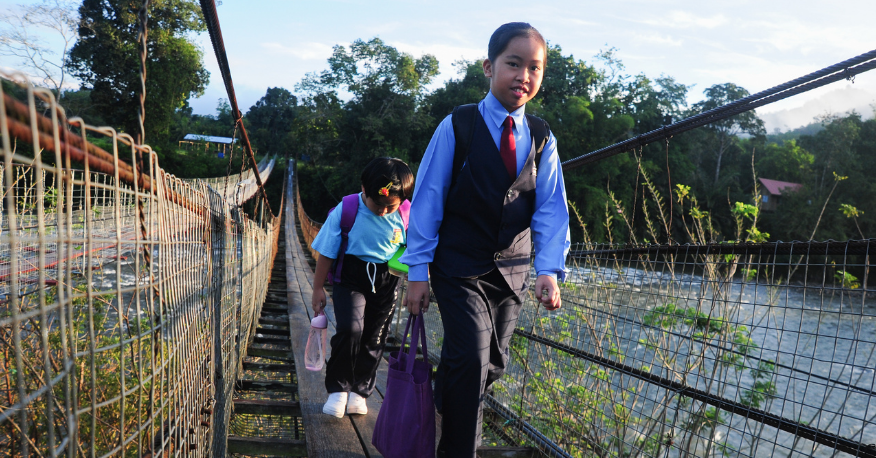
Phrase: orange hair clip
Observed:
(384, 191)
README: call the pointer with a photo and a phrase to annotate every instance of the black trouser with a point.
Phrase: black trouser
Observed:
(361, 315)
(479, 316)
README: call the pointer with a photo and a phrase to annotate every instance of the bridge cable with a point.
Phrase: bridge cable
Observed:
(208, 7)
(845, 70)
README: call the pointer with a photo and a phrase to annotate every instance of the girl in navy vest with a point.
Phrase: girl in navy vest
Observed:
(364, 297)
(470, 232)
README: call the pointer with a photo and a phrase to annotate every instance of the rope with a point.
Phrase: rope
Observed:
(143, 17)
(228, 167)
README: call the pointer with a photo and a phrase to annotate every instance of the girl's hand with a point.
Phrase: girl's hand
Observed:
(547, 292)
(418, 297)
(317, 302)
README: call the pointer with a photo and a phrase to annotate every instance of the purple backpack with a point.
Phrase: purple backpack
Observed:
(348, 217)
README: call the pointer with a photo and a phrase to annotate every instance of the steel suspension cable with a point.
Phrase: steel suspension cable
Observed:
(843, 70)
(211, 18)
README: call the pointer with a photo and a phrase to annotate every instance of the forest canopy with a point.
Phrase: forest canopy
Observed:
(589, 105)
(373, 100)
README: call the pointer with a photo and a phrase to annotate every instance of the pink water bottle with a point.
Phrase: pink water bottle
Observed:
(314, 352)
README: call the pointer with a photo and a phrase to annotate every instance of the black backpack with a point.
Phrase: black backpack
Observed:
(463, 120)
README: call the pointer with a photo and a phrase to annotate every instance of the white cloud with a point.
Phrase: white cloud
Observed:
(799, 37)
(576, 22)
(306, 51)
(687, 20)
(655, 39)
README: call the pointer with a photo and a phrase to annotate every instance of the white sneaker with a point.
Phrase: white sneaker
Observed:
(356, 404)
(335, 405)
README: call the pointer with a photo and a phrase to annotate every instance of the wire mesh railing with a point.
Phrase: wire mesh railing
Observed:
(241, 187)
(309, 226)
(127, 296)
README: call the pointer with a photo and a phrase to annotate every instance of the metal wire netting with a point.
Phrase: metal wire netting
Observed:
(689, 352)
(240, 187)
(128, 295)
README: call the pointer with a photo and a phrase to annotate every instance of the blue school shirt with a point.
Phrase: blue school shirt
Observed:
(550, 222)
(372, 239)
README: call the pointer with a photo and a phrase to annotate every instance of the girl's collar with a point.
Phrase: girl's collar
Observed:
(498, 113)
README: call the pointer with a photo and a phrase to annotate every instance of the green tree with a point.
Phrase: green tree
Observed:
(835, 147)
(786, 162)
(220, 124)
(271, 119)
(383, 118)
(470, 87)
(724, 133)
(106, 59)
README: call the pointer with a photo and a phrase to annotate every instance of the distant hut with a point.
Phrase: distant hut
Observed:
(772, 191)
(194, 141)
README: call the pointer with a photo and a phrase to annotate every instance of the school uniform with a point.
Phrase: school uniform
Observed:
(474, 238)
(364, 298)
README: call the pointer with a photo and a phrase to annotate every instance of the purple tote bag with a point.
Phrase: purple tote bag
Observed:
(406, 423)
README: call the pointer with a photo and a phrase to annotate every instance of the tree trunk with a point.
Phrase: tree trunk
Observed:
(722, 147)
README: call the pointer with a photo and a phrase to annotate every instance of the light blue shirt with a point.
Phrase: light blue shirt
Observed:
(373, 238)
(550, 222)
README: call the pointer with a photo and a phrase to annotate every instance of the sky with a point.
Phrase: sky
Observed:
(754, 44)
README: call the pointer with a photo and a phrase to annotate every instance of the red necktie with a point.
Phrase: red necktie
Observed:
(508, 147)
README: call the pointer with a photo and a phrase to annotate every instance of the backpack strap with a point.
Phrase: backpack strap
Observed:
(405, 211)
(463, 119)
(541, 133)
(349, 209)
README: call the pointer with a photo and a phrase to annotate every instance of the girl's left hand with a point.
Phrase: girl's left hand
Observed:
(547, 292)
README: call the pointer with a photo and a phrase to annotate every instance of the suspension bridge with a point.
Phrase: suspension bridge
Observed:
(145, 315)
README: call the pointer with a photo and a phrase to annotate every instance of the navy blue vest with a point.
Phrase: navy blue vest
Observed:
(487, 216)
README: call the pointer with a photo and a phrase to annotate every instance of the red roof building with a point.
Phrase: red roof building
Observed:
(772, 191)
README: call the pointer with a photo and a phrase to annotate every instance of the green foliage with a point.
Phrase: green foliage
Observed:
(384, 117)
(847, 280)
(850, 211)
(470, 87)
(762, 388)
(745, 210)
(842, 146)
(107, 352)
(785, 162)
(669, 316)
(78, 103)
(270, 121)
(106, 58)
(373, 100)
